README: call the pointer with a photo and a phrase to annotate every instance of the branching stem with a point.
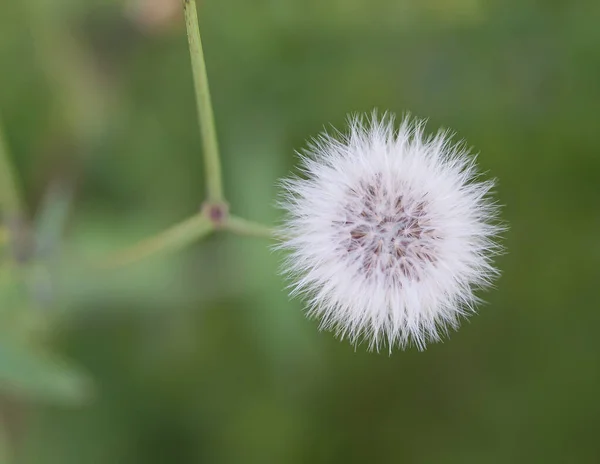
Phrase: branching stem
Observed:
(176, 237)
(241, 226)
(215, 211)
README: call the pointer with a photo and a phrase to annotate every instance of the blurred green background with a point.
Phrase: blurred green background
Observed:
(199, 357)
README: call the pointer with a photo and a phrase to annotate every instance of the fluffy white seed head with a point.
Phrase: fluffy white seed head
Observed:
(389, 232)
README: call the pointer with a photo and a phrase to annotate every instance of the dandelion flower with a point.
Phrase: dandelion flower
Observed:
(389, 232)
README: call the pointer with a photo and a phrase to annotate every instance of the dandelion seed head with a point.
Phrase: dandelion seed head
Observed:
(389, 232)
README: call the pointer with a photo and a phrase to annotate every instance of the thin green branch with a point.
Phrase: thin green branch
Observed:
(174, 238)
(206, 119)
(51, 219)
(11, 204)
(241, 226)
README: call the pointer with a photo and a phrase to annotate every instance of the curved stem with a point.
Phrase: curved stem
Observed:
(206, 121)
(175, 237)
(11, 203)
(241, 226)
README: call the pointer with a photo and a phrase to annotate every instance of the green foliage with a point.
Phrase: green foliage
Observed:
(32, 374)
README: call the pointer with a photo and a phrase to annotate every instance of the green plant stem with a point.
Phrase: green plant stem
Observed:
(11, 204)
(206, 119)
(201, 224)
(177, 236)
(241, 226)
(51, 219)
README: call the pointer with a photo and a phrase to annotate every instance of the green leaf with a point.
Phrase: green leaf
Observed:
(24, 371)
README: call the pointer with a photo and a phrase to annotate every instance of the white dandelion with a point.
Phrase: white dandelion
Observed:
(389, 233)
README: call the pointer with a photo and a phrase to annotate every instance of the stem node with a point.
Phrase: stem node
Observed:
(216, 212)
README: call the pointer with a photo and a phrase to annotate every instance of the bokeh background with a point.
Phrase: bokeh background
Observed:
(199, 356)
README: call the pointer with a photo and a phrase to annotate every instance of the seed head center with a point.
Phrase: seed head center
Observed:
(389, 231)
